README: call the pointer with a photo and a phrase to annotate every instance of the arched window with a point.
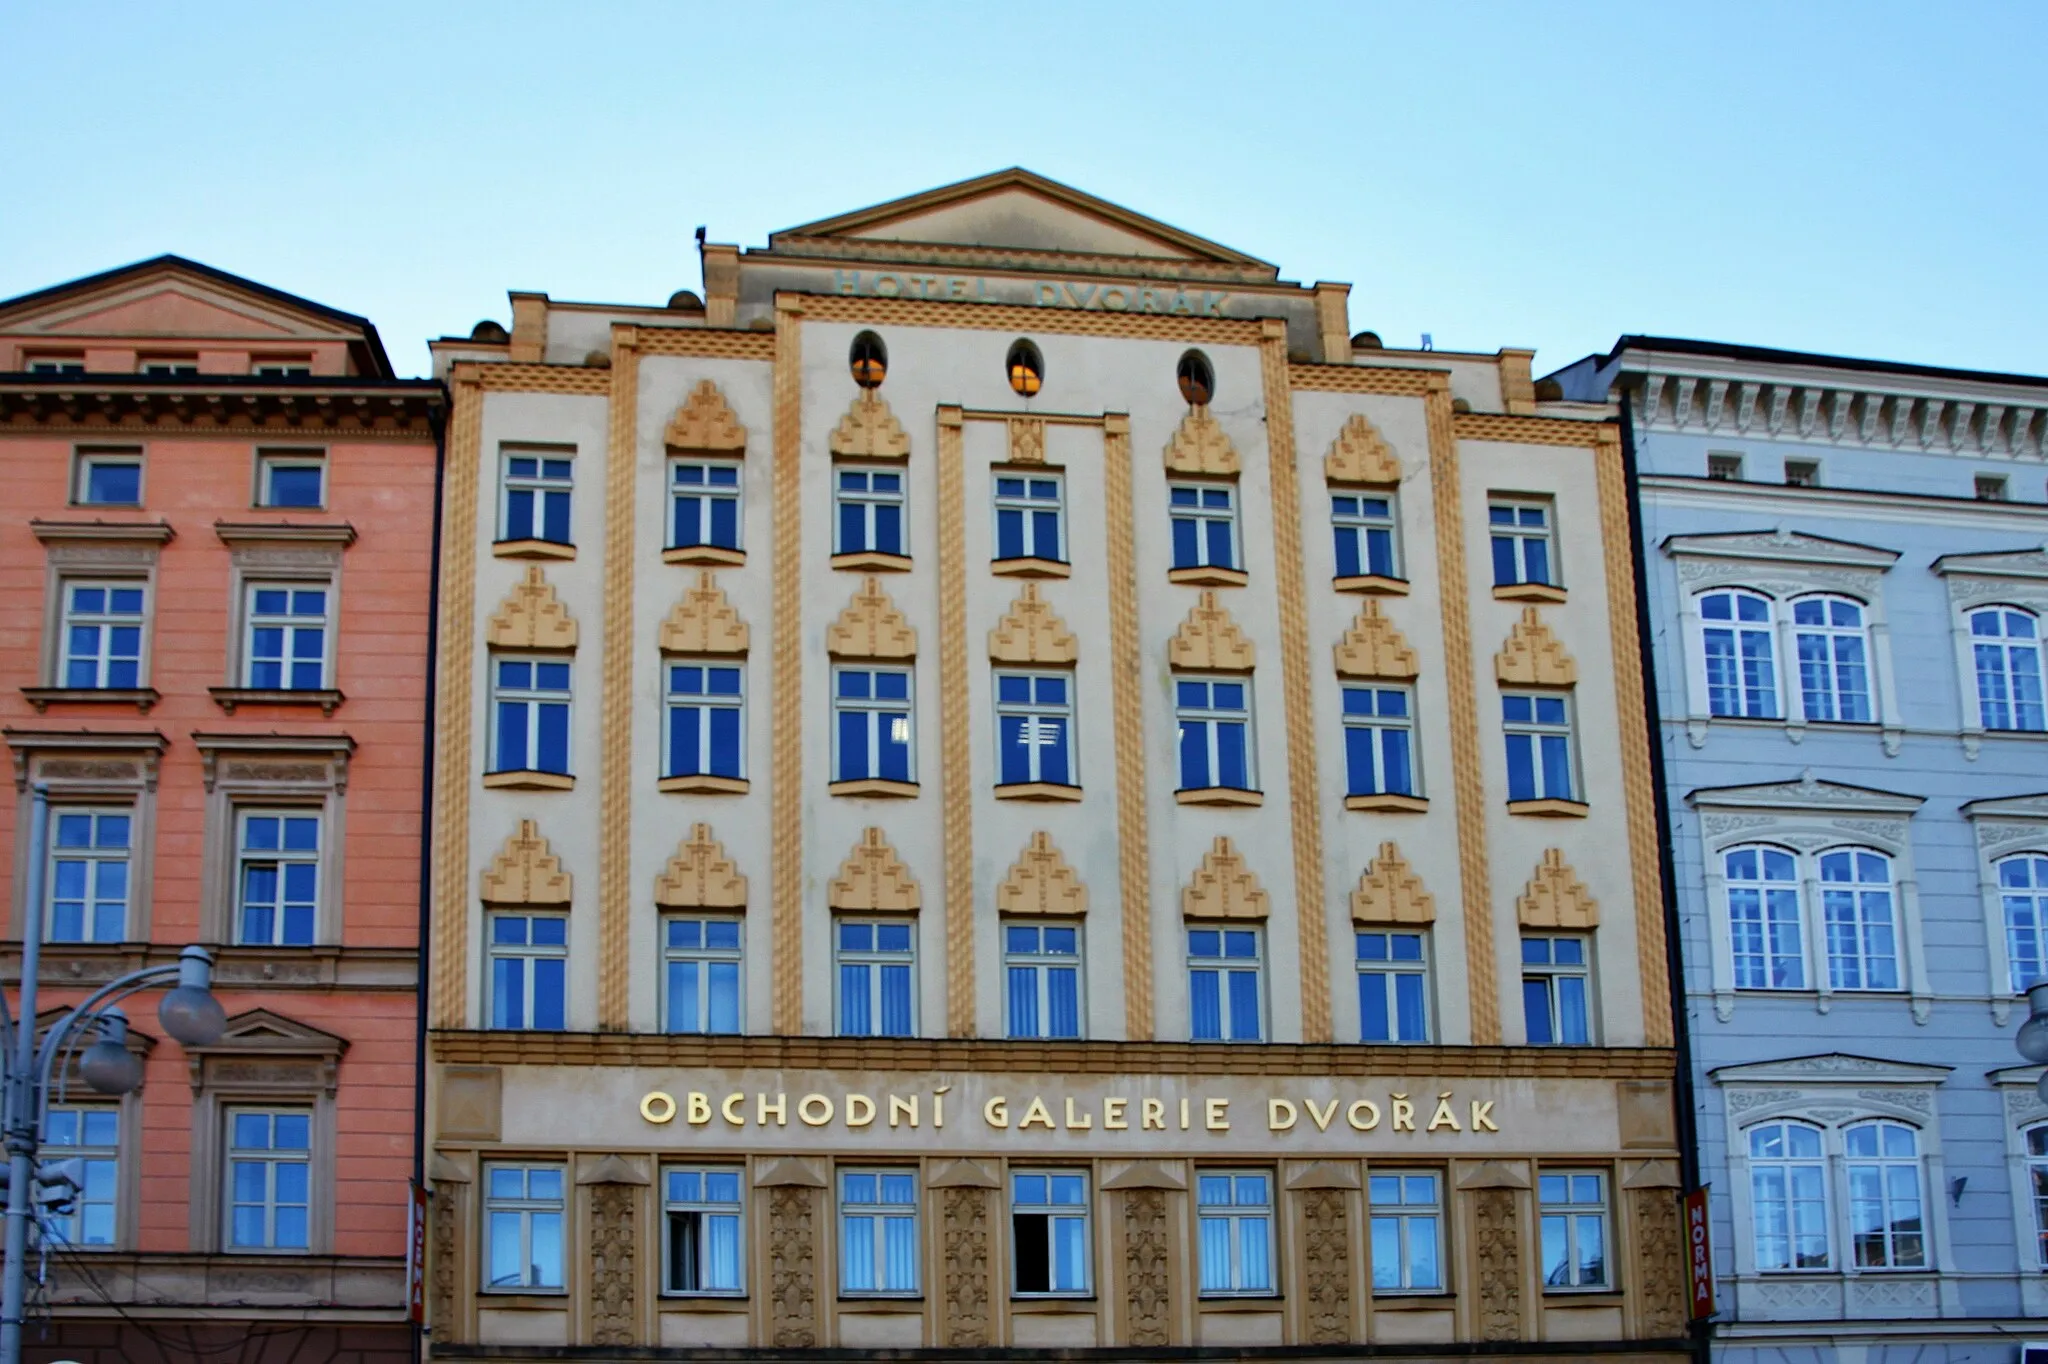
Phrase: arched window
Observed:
(2023, 892)
(1887, 1226)
(1834, 659)
(1788, 1196)
(2037, 1188)
(1197, 378)
(1856, 907)
(1764, 921)
(2005, 643)
(1742, 677)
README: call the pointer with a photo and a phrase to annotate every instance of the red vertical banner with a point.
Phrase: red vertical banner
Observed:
(416, 1255)
(1699, 1254)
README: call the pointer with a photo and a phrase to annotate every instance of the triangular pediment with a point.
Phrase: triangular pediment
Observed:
(1831, 1066)
(1781, 546)
(2033, 806)
(1997, 563)
(1808, 794)
(266, 1031)
(1016, 210)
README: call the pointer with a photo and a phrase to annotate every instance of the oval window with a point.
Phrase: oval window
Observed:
(868, 358)
(1197, 379)
(1026, 368)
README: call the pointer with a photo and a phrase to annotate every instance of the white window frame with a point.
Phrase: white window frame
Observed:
(527, 953)
(1358, 523)
(1794, 673)
(1225, 966)
(103, 621)
(1554, 971)
(1000, 502)
(703, 957)
(1235, 1214)
(87, 458)
(232, 1154)
(1202, 514)
(1035, 711)
(270, 461)
(1053, 1213)
(1403, 1214)
(1785, 1165)
(703, 1208)
(524, 1208)
(1389, 969)
(1574, 1212)
(540, 484)
(1767, 628)
(1212, 716)
(704, 703)
(291, 625)
(1379, 724)
(2007, 647)
(186, 366)
(1537, 730)
(1520, 534)
(873, 959)
(65, 362)
(245, 856)
(907, 707)
(706, 493)
(868, 499)
(533, 697)
(67, 1224)
(1040, 964)
(281, 366)
(881, 1213)
(1884, 1163)
(1802, 917)
(93, 857)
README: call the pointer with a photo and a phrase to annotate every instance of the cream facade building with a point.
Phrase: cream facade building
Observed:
(1003, 781)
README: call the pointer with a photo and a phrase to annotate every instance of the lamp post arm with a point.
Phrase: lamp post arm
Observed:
(87, 1012)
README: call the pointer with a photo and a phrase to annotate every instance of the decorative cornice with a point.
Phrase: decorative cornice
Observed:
(1373, 647)
(1389, 892)
(284, 533)
(1223, 887)
(2009, 563)
(531, 617)
(2033, 806)
(133, 406)
(1209, 640)
(1200, 446)
(1831, 1067)
(705, 425)
(873, 879)
(1808, 795)
(704, 622)
(700, 875)
(526, 873)
(869, 430)
(1360, 454)
(1533, 657)
(1041, 882)
(1555, 897)
(1781, 546)
(104, 532)
(1032, 633)
(871, 627)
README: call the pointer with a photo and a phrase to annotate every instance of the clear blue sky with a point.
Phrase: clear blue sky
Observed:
(1863, 178)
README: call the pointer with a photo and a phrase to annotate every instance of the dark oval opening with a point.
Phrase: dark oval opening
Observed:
(868, 358)
(1197, 378)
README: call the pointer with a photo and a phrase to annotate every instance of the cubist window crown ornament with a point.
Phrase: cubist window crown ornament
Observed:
(704, 622)
(1200, 446)
(526, 873)
(1360, 455)
(869, 430)
(873, 879)
(1390, 892)
(1533, 657)
(705, 425)
(1223, 887)
(1209, 640)
(700, 876)
(1031, 632)
(1041, 882)
(531, 617)
(1556, 898)
(1374, 647)
(871, 627)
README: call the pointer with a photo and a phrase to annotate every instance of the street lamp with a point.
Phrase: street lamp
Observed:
(189, 1012)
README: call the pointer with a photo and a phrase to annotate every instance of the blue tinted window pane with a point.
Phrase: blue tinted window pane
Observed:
(1194, 754)
(114, 484)
(295, 486)
(1536, 1010)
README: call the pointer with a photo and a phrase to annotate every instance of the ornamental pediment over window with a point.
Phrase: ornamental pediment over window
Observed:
(2018, 576)
(1807, 795)
(1830, 1068)
(1782, 562)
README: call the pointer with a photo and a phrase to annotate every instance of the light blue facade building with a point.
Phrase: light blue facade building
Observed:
(1846, 577)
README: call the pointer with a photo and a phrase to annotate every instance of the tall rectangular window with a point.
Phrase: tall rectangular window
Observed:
(1573, 1208)
(1407, 1233)
(704, 502)
(703, 1249)
(277, 877)
(1204, 517)
(524, 1213)
(537, 490)
(1234, 1218)
(1834, 669)
(1521, 543)
(878, 1248)
(1556, 990)
(110, 478)
(91, 1135)
(270, 1162)
(1856, 907)
(1364, 527)
(1379, 737)
(1215, 721)
(88, 878)
(706, 726)
(1029, 509)
(1035, 728)
(1393, 987)
(877, 981)
(530, 709)
(529, 963)
(871, 724)
(2005, 645)
(870, 510)
(1224, 989)
(700, 974)
(291, 479)
(1049, 1232)
(1042, 978)
(103, 635)
(1538, 728)
(287, 638)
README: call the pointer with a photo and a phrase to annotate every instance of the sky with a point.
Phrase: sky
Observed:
(1851, 178)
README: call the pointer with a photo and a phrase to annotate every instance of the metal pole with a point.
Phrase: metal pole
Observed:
(23, 1118)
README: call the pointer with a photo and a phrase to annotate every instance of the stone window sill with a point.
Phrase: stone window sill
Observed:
(1031, 568)
(529, 781)
(872, 786)
(1218, 795)
(1549, 809)
(704, 784)
(1037, 790)
(142, 698)
(532, 549)
(1387, 803)
(873, 561)
(227, 698)
(1372, 585)
(1537, 592)
(1209, 577)
(710, 556)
